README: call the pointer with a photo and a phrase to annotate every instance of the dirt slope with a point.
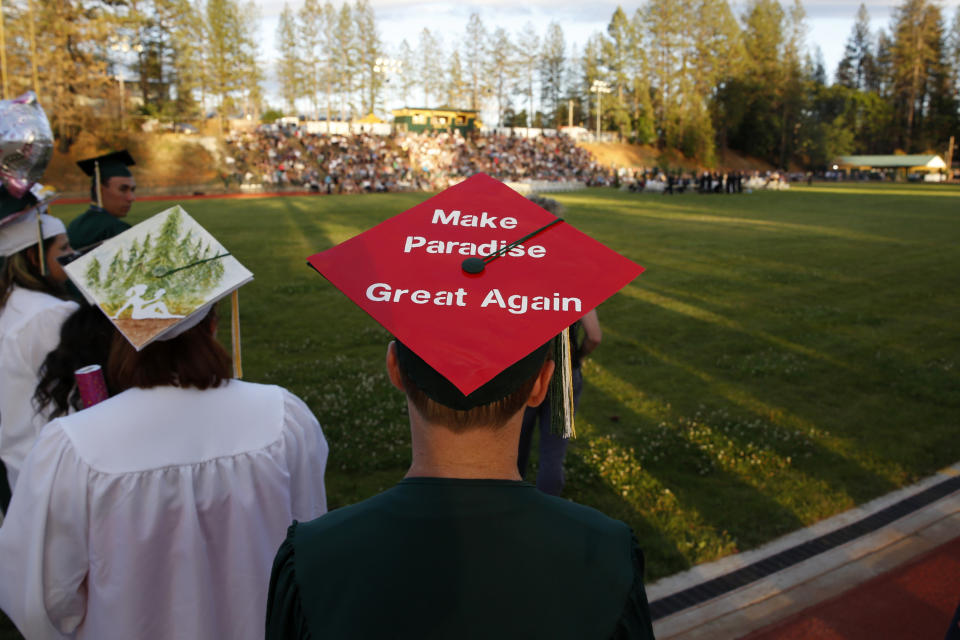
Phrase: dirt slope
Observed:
(621, 154)
(162, 160)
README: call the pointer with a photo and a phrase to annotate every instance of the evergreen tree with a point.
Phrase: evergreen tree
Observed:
(664, 23)
(133, 256)
(167, 254)
(92, 274)
(857, 68)
(528, 61)
(616, 50)
(473, 50)
(305, 56)
(408, 80)
(917, 66)
(369, 50)
(816, 67)
(793, 88)
(552, 72)
(157, 34)
(346, 58)
(114, 270)
(331, 57)
(953, 52)
(716, 56)
(764, 105)
(501, 68)
(230, 53)
(591, 69)
(456, 90)
(188, 63)
(174, 262)
(289, 65)
(251, 72)
(70, 58)
(429, 66)
(884, 65)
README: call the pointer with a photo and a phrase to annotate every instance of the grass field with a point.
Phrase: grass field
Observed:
(784, 357)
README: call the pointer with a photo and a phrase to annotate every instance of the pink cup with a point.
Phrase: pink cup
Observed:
(93, 388)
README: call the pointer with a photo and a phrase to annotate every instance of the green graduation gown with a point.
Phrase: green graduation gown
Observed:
(448, 558)
(92, 226)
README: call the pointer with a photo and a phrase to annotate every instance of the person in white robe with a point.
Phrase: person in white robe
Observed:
(156, 513)
(33, 306)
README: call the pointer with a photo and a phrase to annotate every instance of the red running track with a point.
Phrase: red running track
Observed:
(204, 196)
(916, 600)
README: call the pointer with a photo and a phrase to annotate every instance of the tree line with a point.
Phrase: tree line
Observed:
(183, 54)
(684, 74)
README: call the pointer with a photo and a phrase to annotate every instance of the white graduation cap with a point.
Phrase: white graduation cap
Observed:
(159, 278)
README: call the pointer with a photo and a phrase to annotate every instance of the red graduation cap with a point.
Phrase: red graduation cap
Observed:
(412, 274)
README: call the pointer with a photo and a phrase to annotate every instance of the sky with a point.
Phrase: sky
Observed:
(829, 21)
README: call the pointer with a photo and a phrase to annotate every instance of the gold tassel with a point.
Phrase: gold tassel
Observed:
(96, 182)
(561, 388)
(235, 334)
(40, 252)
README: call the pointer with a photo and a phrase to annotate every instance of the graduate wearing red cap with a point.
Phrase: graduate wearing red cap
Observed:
(474, 284)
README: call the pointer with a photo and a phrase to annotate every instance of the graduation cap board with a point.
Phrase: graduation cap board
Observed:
(428, 275)
(159, 278)
(109, 165)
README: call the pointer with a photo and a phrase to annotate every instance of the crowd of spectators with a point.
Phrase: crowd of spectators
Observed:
(281, 157)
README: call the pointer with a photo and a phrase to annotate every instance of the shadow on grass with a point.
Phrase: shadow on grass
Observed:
(670, 474)
(703, 466)
(802, 443)
(586, 485)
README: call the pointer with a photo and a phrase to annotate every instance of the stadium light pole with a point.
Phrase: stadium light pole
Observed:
(600, 87)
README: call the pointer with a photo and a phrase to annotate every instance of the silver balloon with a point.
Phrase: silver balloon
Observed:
(26, 143)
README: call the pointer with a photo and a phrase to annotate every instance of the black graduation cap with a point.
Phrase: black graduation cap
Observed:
(102, 168)
(111, 165)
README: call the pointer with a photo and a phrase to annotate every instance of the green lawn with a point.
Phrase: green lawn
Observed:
(784, 357)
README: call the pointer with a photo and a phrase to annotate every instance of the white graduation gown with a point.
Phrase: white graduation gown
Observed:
(157, 513)
(30, 324)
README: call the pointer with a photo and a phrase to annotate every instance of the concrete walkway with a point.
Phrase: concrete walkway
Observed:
(766, 587)
(915, 600)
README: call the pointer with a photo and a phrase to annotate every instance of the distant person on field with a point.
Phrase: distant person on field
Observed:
(553, 447)
(112, 193)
